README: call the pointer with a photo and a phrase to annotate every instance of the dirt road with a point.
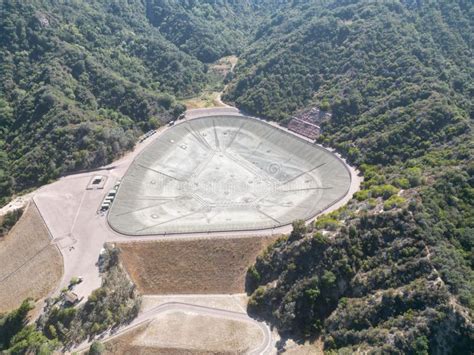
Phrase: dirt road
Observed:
(264, 348)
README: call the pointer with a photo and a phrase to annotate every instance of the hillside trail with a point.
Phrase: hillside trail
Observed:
(218, 100)
(453, 301)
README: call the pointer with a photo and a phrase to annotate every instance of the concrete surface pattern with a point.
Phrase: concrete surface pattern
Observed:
(226, 173)
(70, 213)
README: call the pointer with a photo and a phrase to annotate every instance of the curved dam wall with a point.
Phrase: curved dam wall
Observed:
(226, 173)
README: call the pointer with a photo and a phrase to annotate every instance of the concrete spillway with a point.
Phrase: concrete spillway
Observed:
(226, 173)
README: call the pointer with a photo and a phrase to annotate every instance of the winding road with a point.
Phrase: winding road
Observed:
(264, 348)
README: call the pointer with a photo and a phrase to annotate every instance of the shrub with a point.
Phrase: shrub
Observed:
(384, 191)
(253, 273)
(74, 281)
(402, 183)
(320, 238)
(327, 222)
(9, 220)
(257, 297)
(420, 346)
(299, 230)
(414, 176)
(328, 279)
(393, 202)
(372, 202)
(362, 195)
(96, 348)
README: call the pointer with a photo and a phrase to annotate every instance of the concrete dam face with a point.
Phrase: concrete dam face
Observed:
(226, 173)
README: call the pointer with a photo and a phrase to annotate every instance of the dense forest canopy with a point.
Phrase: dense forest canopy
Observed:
(80, 81)
(382, 273)
(393, 270)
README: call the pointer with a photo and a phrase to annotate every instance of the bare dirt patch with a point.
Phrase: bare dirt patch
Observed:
(183, 330)
(308, 348)
(224, 66)
(122, 344)
(204, 100)
(30, 265)
(187, 333)
(201, 266)
(211, 97)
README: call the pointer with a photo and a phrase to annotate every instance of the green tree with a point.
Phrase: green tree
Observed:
(13, 323)
(96, 348)
(299, 230)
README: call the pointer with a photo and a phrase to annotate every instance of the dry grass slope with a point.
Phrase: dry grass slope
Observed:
(30, 265)
(205, 266)
(204, 100)
(177, 333)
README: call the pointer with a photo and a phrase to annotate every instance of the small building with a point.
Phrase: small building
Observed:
(70, 298)
(97, 182)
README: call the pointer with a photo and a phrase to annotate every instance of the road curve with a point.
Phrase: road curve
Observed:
(263, 348)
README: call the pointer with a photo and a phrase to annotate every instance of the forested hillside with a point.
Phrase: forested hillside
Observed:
(393, 270)
(207, 30)
(211, 29)
(80, 81)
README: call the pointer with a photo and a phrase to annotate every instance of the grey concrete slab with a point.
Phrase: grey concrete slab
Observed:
(226, 173)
